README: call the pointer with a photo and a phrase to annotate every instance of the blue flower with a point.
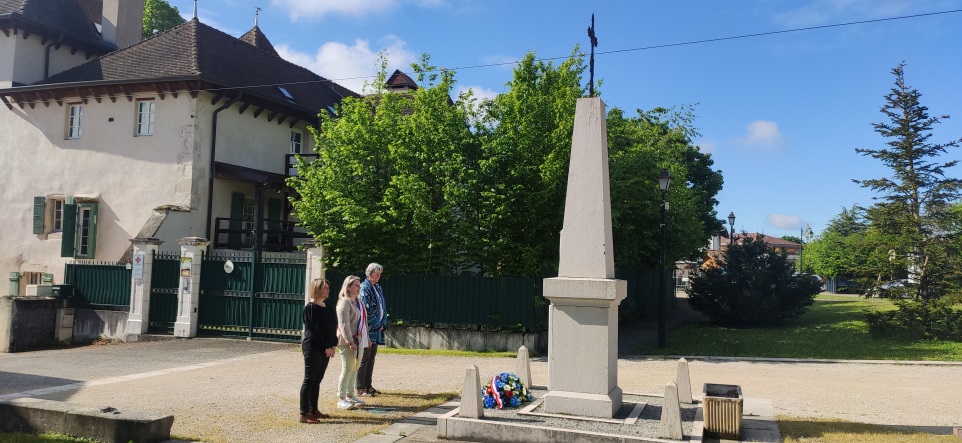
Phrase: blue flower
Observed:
(488, 401)
(529, 397)
(514, 401)
(500, 385)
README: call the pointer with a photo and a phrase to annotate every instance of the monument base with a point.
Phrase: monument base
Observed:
(583, 404)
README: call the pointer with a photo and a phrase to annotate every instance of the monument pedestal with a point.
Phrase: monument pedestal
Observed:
(583, 346)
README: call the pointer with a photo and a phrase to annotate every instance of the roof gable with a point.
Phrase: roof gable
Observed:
(194, 50)
(257, 39)
(400, 81)
(72, 17)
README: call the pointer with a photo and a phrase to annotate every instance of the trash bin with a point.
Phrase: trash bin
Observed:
(62, 291)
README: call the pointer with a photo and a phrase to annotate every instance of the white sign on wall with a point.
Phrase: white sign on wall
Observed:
(137, 266)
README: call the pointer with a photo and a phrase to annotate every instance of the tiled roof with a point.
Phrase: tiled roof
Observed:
(257, 39)
(400, 80)
(194, 50)
(67, 16)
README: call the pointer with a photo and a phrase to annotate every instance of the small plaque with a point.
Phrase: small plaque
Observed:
(228, 266)
(137, 265)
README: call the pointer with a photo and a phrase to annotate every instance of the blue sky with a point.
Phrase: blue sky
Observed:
(781, 114)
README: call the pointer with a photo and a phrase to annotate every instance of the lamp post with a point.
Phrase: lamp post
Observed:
(803, 234)
(731, 226)
(664, 180)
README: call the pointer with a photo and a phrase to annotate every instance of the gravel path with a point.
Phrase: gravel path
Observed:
(238, 392)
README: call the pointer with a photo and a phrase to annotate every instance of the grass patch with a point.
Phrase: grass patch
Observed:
(388, 408)
(46, 437)
(832, 328)
(797, 430)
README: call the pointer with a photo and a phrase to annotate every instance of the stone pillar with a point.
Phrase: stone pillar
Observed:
(583, 317)
(142, 265)
(188, 290)
(315, 268)
(471, 403)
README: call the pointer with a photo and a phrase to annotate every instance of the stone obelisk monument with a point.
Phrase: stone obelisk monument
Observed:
(583, 317)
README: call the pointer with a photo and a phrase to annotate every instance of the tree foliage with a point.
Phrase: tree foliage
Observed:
(752, 286)
(424, 183)
(916, 197)
(159, 16)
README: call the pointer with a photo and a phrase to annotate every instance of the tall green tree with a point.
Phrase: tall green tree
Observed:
(159, 16)
(526, 144)
(393, 178)
(916, 197)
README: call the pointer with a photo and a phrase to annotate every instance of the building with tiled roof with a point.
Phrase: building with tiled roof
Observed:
(188, 133)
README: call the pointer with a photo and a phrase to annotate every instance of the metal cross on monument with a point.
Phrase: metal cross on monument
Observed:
(594, 44)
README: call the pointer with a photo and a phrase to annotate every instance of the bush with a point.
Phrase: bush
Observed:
(917, 319)
(752, 286)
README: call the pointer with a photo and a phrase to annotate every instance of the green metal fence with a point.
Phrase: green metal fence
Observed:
(273, 285)
(500, 302)
(99, 285)
(164, 278)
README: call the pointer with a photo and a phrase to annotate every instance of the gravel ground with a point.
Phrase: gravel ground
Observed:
(235, 391)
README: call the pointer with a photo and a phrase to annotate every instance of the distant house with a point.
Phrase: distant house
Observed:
(721, 242)
(189, 133)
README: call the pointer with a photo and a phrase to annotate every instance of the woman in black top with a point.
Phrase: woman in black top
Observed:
(320, 329)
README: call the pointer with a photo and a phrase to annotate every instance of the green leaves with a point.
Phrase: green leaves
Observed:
(159, 16)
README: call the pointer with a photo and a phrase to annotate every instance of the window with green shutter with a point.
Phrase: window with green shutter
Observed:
(79, 230)
(39, 212)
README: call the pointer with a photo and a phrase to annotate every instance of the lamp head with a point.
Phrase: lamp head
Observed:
(664, 180)
(731, 218)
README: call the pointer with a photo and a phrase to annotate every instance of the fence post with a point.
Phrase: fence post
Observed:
(142, 262)
(188, 290)
(315, 267)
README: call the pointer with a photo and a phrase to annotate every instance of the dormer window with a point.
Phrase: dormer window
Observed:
(286, 94)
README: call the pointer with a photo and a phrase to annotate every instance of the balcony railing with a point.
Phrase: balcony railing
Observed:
(276, 235)
(291, 162)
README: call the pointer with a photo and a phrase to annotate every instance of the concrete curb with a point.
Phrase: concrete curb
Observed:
(794, 360)
(103, 424)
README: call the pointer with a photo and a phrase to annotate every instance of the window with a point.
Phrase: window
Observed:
(74, 117)
(295, 142)
(79, 230)
(248, 238)
(145, 117)
(287, 94)
(48, 214)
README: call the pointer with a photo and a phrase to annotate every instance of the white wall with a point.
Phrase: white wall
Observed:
(26, 59)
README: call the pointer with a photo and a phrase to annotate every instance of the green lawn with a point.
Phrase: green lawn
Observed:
(832, 328)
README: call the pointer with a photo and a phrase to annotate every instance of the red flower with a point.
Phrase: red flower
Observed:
(509, 394)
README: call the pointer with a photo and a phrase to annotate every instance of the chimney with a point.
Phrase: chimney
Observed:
(122, 23)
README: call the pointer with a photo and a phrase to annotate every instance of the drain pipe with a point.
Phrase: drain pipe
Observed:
(210, 171)
(46, 57)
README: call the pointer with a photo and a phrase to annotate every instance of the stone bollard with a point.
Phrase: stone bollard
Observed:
(670, 426)
(524, 366)
(683, 381)
(471, 406)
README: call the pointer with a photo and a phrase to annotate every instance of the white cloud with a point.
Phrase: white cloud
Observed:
(351, 65)
(480, 93)
(706, 146)
(821, 12)
(306, 10)
(761, 134)
(782, 221)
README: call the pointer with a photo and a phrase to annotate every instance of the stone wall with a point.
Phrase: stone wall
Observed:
(464, 340)
(90, 325)
(26, 322)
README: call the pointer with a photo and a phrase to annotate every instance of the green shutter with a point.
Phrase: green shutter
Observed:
(236, 217)
(39, 207)
(69, 230)
(93, 230)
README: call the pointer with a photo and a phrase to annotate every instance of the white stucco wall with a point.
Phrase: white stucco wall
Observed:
(27, 56)
(128, 175)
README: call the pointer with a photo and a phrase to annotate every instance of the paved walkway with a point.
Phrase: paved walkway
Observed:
(238, 391)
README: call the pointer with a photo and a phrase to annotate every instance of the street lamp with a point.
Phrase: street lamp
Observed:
(731, 225)
(802, 235)
(664, 180)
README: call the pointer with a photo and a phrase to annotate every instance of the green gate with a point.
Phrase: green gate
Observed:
(99, 285)
(261, 297)
(163, 293)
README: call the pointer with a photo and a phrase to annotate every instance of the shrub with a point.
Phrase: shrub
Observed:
(752, 286)
(917, 319)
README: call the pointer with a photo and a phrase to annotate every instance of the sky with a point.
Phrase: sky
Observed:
(781, 114)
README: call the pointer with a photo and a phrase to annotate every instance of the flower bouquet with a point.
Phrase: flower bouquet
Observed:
(505, 389)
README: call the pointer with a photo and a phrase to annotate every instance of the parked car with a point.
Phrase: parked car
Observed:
(901, 288)
(819, 279)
